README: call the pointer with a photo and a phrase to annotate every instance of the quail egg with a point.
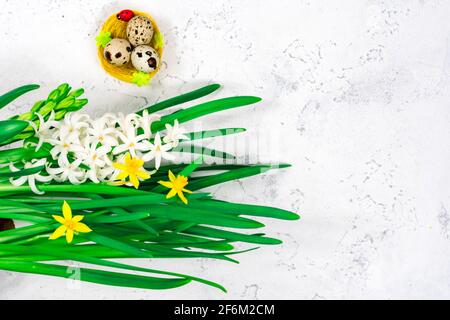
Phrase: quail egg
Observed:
(145, 58)
(118, 52)
(140, 30)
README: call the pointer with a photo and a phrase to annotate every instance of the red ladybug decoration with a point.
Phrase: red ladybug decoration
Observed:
(125, 15)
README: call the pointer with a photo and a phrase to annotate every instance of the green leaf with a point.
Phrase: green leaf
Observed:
(203, 109)
(19, 154)
(200, 135)
(243, 209)
(200, 216)
(232, 236)
(211, 180)
(186, 97)
(28, 231)
(116, 244)
(120, 218)
(204, 151)
(10, 128)
(23, 172)
(14, 94)
(94, 276)
(150, 198)
(71, 254)
(73, 189)
(191, 167)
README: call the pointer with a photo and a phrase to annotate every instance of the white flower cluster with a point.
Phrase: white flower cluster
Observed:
(86, 149)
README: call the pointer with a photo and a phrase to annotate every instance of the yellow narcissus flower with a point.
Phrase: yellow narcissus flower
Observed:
(132, 169)
(176, 184)
(69, 224)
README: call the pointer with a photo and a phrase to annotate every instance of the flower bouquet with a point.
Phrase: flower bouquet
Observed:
(96, 191)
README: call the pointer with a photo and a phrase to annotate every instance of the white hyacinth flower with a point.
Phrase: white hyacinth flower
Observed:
(157, 151)
(128, 122)
(32, 178)
(99, 132)
(68, 171)
(174, 134)
(62, 146)
(72, 127)
(96, 158)
(94, 145)
(45, 129)
(130, 142)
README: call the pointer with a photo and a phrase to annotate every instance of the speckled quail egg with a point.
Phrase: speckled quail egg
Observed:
(139, 30)
(145, 58)
(118, 52)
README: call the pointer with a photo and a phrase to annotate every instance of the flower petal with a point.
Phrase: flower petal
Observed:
(69, 235)
(166, 184)
(33, 187)
(122, 175)
(81, 227)
(58, 232)
(157, 160)
(18, 182)
(171, 176)
(182, 197)
(134, 180)
(119, 166)
(186, 190)
(171, 193)
(67, 211)
(59, 219)
(144, 175)
(77, 218)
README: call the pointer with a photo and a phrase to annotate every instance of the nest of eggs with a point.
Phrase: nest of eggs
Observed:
(130, 46)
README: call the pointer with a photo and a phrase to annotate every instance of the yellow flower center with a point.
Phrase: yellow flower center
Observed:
(133, 166)
(70, 224)
(179, 183)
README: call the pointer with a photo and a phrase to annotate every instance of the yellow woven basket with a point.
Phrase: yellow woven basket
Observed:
(118, 29)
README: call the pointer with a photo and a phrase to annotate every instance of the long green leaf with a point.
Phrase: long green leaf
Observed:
(231, 175)
(15, 93)
(203, 151)
(19, 154)
(204, 109)
(186, 97)
(229, 235)
(201, 216)
(116, 244)
(243, 209)
(206, 134)
(20, 173)
(9, 128)
(94, 276)
(71, 254)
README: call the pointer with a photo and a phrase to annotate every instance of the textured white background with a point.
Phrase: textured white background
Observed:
(355, 97)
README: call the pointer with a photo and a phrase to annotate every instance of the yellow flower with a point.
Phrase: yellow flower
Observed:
(176, 184)
(132, 169)
(69, 224)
